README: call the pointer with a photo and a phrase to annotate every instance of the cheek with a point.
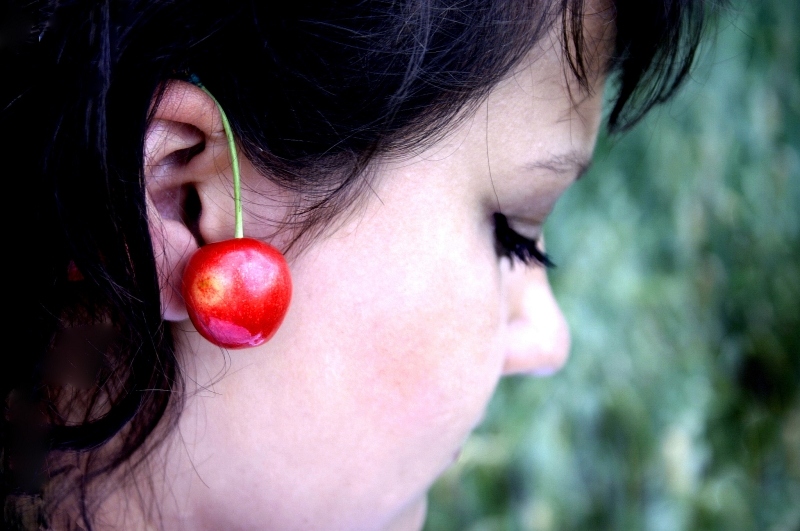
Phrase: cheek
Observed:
(417, 326)
(384, 364)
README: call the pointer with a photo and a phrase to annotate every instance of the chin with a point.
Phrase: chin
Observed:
(410, 518)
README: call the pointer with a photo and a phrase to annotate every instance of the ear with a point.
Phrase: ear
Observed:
(184, 150)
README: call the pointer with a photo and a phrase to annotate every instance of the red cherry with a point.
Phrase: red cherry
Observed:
(237, 292)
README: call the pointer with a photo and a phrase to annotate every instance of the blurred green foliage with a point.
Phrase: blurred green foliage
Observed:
(679, 408)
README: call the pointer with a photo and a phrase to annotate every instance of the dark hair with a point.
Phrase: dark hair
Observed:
(314, 91)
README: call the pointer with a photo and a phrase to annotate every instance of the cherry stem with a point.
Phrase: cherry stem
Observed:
(226, 125)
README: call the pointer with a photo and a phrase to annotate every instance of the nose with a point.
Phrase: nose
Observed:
(538, 338)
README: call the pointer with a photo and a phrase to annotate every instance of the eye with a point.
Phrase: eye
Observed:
(517, 247)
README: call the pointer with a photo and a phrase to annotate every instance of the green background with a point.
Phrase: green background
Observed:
(679, 272)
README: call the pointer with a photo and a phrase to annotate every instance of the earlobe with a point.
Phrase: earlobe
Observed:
(173, 245)
(177, 160)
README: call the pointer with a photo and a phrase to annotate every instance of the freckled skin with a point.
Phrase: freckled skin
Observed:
(237, 292)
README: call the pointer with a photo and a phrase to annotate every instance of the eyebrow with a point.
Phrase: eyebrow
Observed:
(572, 163)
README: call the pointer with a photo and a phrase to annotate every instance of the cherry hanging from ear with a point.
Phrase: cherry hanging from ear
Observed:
(237, 291)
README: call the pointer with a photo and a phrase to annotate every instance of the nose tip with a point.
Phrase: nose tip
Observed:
(538, 335)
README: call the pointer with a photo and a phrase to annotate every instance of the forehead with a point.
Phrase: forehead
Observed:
(539, 114)
(541, 109)
(528, 140)
(543, 91)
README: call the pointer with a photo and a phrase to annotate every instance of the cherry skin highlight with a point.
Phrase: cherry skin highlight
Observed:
(237, 292)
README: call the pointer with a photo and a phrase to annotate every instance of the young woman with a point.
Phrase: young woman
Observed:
(402, 155)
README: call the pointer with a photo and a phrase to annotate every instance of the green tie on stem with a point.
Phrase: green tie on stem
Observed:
(237, 194)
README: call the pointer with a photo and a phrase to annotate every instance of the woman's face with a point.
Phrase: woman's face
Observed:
(403, 321)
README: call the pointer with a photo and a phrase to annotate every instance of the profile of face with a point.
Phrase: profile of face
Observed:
(403, 320)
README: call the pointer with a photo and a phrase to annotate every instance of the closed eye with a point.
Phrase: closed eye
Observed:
(513, 245)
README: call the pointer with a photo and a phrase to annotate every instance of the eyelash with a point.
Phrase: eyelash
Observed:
(517, 247)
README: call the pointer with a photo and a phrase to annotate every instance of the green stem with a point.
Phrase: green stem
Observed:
(237, 194)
